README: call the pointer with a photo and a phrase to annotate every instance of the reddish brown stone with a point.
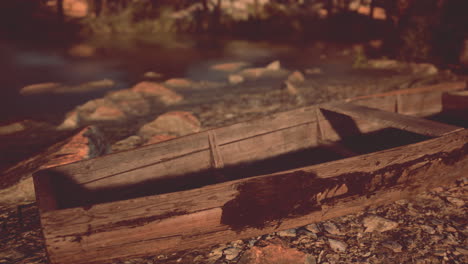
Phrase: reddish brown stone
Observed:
(165, 95)
(175, 123)
(275, 253)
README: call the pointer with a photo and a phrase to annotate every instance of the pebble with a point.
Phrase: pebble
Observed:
(231, 253)
(287, 233)
(379, 224)
(428, 229)
(313, 228)
(394, 246)
(455, 201)
(337, 246)
(331, 228)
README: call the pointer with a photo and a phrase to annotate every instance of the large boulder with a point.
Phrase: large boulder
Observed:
(158, 91)
(176, 123)
(17, 185)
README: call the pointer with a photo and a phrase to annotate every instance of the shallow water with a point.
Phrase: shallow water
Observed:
(125, 60)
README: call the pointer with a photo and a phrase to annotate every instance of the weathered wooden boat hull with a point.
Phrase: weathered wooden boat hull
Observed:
(114, 206)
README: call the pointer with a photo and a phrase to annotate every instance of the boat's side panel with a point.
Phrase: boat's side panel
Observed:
(253, 206)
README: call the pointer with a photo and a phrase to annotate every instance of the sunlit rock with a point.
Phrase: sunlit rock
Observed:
(163, 94)
(274, 66)
(175, 123)
(72, 121)
(130, 102)
(88, 143)
(153, 75)
(82, 50)
(230, 66)
(12, 128)
(102, 109)
(86, 87)
(235, 79)
(39, 88)
(296, 77)
(179, 83)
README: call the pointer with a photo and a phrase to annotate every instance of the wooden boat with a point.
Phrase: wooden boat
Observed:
(277, 172)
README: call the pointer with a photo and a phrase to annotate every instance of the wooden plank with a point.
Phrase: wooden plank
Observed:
(407, 123)
(249, 207)
(420, 101)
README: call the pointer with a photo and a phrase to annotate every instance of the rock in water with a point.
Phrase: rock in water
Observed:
(39, 88)
(88, 143)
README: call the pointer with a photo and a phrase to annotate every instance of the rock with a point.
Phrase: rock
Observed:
(379, 224)
(463, 251)
(275, 253)
(179, 83)
(235, 79)
(337, 246)
(159, 138)
(82, 50)
(384, 64)
(392, 245)
(39, 88)
(314, 71)
(331, 228)
(428, 229)
(463, 57)
(287, 233)
(130, 102)
(153, 75)
(172, 123)
(296, 77)
(274, 66)
(12, 128)
(163, 94)
(313, 228)
(455, 201)
(423, 68)
(88, 143)
(85, 87)
(215, 254)
(229, 66)
(252, 73)
(107, 113)
(127, 143)
(72, 121)
(231, 253)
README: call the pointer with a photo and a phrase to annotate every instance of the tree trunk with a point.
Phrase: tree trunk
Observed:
(60, 12)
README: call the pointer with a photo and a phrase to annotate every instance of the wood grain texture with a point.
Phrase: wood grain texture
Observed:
(404, 122)
(243, 208)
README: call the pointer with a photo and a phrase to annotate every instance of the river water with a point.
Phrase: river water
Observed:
(125, 60)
